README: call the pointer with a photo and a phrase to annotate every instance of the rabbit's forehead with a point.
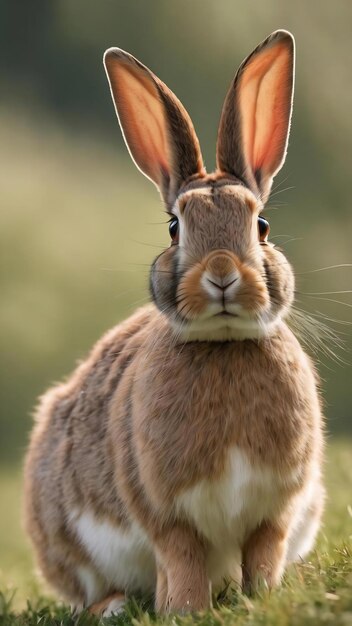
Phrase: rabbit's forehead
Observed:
(216, 217)
(227, 197)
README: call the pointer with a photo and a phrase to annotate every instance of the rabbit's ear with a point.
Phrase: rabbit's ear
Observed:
(157, 129)
(255, 120)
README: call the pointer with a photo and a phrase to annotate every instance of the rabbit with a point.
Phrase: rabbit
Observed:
(187, 449)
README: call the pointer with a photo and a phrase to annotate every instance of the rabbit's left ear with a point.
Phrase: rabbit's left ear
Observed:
(255, 120)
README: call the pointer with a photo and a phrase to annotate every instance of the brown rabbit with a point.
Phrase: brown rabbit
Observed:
(187, 448)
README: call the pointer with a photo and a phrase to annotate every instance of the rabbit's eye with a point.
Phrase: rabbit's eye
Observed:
(263, 228)
(173, 229)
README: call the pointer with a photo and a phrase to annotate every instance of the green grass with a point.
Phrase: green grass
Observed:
(318, 591)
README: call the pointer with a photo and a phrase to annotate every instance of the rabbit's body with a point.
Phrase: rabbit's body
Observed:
(186, 450)
(225, 479)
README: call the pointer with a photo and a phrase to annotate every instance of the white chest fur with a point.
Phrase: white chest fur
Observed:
(227, 508)
(120, 558)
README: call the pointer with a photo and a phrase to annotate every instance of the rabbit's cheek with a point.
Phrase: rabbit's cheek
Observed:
(192, 299)
(279, 280)
(164, 279)
(253, 295)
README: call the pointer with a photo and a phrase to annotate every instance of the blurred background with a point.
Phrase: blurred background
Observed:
(80, 225)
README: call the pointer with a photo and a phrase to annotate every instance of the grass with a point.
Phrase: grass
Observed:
(318, 591)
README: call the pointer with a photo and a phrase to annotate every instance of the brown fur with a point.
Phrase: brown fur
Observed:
(156, 413)
(98, 608)
(263, 557)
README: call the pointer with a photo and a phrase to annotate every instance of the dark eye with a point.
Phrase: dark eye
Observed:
(263, 228)
(173, 229)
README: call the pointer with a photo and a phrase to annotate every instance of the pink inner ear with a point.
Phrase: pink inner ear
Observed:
(142, 119)
(265, 108)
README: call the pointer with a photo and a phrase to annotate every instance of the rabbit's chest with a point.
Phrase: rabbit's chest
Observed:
(232, 505)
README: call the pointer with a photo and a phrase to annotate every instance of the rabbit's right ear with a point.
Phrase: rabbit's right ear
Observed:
(157, 129)
(255, 121)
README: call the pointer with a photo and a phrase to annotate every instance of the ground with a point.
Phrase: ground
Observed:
(318, 591)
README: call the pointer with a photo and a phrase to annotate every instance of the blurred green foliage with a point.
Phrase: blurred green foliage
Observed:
(80, 225)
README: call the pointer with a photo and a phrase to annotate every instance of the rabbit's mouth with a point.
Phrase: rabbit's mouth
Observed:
(225, 313)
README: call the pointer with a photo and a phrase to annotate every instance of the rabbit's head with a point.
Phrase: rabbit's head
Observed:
(220, 278)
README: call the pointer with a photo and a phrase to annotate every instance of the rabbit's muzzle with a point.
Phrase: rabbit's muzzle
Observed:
(222, 285)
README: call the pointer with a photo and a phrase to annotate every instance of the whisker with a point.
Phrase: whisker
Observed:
(120, 270)
(283, 243)
(330, 300)
(276, 193)
(276, 236)
(144, 243)
(278, 184)
(324, 293)
(329, 267)
(333, 319)
(316, 336)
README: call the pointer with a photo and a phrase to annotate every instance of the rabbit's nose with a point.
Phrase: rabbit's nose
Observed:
(220, 289)
(222, 283)
(221, 275)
